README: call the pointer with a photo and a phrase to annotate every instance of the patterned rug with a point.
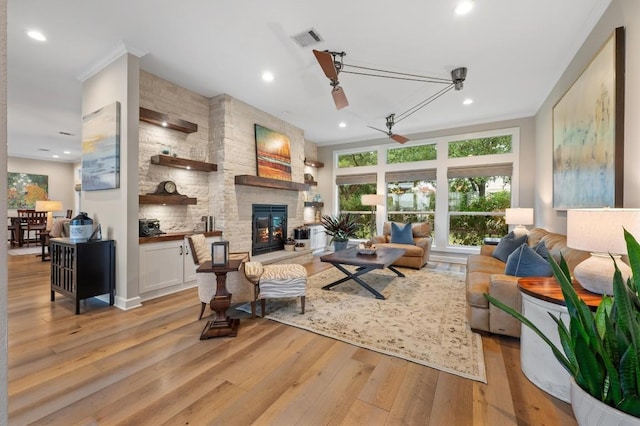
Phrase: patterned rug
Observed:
(422, 319)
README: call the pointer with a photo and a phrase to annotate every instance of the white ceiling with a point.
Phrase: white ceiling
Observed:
(515, 52)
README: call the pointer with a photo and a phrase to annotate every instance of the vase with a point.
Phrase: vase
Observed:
(289, 247)
(591, 412)
(339, 245)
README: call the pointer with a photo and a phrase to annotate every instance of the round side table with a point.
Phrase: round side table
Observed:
(541, 296)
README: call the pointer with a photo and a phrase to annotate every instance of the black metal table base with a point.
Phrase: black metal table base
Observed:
(356, 277)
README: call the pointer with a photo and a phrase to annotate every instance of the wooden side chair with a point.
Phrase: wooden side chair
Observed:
(33, 222)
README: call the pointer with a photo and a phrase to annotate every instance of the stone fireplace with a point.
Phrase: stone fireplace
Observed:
(269, 230)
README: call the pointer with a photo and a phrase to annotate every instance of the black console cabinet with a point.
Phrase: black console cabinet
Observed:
(82, 270)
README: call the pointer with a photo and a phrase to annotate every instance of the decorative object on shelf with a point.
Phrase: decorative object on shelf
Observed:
(299, 247)
(164, 120)
(289, 244)
(167, 187)
(600, 352)
(219, 253)
(273, 154)
(372, 200)
(101, 149)
(340, 228)
(80, 228)
(589, 118)
(519, 217)
(600, 231)
(308, 177)
(48, 206)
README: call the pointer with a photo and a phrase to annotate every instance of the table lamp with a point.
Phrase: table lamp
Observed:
(49, 206)
(519, 217)
(373, 200)
(600, 231)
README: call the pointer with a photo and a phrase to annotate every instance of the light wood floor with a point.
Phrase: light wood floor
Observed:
(147, 366)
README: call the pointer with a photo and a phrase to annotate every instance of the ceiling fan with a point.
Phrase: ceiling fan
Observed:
(331, 64)
(390, 122)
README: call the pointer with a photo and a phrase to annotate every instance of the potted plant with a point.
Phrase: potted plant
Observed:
(601, 351)
(340, 228)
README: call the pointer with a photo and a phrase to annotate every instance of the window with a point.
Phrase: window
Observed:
(411, 196)
(478, 196)
(409, 154)
(358, 159)
(350, 191)
(480, 146)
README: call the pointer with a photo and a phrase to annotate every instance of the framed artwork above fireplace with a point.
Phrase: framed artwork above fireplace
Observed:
(273, 154)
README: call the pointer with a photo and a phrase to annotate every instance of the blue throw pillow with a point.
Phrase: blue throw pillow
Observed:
(525, 262)
(541, 249)
(507, 245)
(402, 234)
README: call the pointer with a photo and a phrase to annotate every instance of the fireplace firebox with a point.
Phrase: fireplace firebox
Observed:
(269, 228)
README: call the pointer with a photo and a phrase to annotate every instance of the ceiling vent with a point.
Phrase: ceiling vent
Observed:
(307, 38)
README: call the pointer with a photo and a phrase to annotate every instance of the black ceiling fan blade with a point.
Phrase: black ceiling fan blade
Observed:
(380, 130)
(325, 59)
(339, 98)
(399, 138)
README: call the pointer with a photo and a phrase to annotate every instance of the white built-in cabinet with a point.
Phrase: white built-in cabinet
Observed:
(166, 267)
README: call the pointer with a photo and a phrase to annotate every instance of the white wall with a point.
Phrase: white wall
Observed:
(116, 210)
(61, 179)
(615, 16)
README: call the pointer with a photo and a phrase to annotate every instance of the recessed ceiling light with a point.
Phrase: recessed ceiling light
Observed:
(67, 152)
(463, 7)
(267, 76)
(36, 35)
(467, 101)
(342, 125)
(55, 156)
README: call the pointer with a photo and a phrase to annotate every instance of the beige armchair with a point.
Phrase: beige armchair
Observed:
(416, 256)
(237, 284)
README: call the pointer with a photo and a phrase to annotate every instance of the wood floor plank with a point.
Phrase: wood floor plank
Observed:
(148, 366)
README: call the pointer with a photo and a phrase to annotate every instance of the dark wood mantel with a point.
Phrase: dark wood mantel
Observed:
(248, 180)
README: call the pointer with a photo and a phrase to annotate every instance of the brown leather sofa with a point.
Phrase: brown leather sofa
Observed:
(415, 256)
(485, 274)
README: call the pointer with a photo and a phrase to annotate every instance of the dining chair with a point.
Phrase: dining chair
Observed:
(33, 222)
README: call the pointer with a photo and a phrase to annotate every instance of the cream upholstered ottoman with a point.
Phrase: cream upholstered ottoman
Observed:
(276, 281)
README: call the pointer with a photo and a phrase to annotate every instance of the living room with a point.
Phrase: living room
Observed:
(535, 185)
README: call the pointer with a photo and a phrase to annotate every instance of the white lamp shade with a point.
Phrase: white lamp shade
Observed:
(518, 216)
(601, 230)
(373, 200)
(48, 206)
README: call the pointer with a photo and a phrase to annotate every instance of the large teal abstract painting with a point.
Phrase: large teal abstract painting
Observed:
(587, 134)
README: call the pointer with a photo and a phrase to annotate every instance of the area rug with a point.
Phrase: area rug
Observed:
(422, 319)
(24, 250)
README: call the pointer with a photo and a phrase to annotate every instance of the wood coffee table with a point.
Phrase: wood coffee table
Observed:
(383, 258)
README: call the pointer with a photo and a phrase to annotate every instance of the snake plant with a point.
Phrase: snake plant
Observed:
(602, 351)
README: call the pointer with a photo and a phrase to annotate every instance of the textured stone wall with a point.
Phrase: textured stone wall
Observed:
(226, 134)
(163, 96)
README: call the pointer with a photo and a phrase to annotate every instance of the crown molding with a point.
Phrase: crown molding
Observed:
(121, 49)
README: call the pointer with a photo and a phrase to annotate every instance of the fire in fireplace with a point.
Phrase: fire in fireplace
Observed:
(269, 228)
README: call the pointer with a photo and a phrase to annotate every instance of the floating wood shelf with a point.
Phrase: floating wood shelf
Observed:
(315, 204)
(311, 182)
(183, 163)
(177, 200)
(313, 163)
(164, 120)
(248, 180)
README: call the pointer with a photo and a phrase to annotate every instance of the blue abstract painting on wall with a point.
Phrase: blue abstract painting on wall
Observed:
(584, 137)
(101, 149)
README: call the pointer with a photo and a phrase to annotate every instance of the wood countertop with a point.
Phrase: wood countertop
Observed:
(174, 236)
